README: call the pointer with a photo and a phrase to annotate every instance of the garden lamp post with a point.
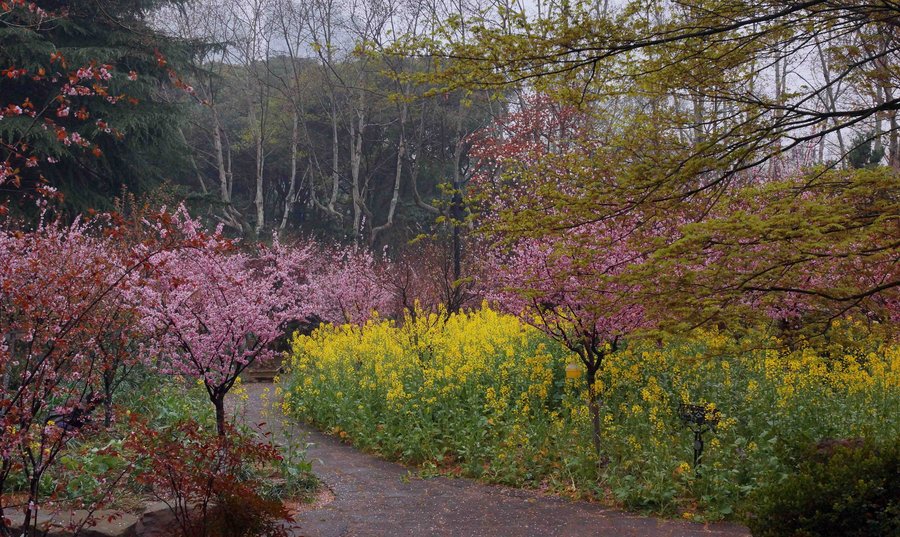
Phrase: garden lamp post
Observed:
(700, 419)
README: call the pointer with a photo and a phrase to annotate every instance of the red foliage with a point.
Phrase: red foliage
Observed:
(203, 478)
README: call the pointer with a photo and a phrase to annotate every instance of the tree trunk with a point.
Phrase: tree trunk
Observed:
(699, 116)
(592, 356)
(395, 196)
(108, 385)
(832, 98)
(259, 200)
(894, 155)
(878, 143)
(356, 144)
(224, 190)
(4, 472)
(335, 156)
(594, 408)
(34, 488)
(193, 162)
(457, 213)
(417, 165)
(218, 400)
(289, 200)
(894, 136)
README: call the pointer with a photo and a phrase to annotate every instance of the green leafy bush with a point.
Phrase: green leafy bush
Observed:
(843, 488)
(89, 468)
(290, 476)
(165, 400)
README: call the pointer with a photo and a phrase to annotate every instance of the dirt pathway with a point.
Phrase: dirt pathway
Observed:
(378, 498)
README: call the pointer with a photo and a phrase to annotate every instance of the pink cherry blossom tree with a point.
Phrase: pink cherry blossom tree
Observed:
(569, 282)
(59, 290)
(51, 280)
(575, 296)
(349, 285)
(217, 309)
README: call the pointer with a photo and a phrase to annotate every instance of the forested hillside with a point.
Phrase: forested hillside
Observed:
(265, 115)
(307, 120)
(355, 119)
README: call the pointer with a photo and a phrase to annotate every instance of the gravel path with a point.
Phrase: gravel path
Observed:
(374, 497)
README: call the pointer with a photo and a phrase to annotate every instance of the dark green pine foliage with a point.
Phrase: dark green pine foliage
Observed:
(143, 146)
(863, 154)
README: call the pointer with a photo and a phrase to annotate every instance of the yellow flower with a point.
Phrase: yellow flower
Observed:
(430, 379)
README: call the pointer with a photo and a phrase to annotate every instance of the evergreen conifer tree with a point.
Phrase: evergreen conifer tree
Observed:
(89, 96)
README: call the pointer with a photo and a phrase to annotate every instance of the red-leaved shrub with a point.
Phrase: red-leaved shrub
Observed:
(209, 481)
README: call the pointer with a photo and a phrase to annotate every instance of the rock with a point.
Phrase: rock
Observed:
(157, 521)
(107, 523)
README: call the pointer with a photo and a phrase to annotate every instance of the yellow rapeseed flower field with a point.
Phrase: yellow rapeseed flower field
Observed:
(482, 394)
